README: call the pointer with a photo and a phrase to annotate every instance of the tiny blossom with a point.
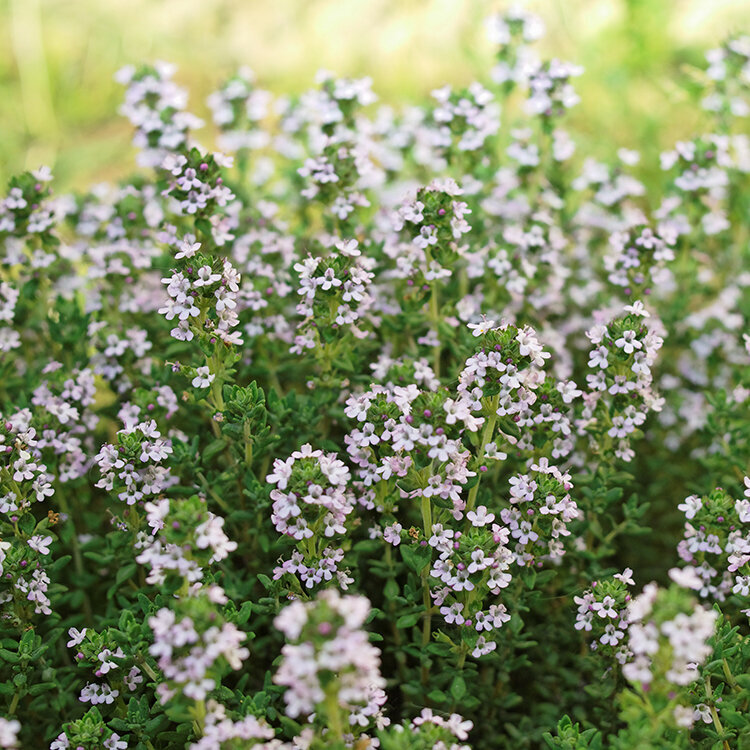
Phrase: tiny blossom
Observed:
(203, 377)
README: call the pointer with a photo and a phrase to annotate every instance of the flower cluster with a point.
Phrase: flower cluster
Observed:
(237, 108)
(540, 510)
(194, 649)
(513, 32)
(134, 470)
(638, 259)
(716, 544)
(471, 569)
(202, 296)
(328, 659)
(197, 185)
(550, 90)
(155, 105)
(464, 120)
(668, 637)
(26, 211)
(334, 295)
(184, 540)
(603, 615)
(620, 392)
(429, 730)
(311, 503)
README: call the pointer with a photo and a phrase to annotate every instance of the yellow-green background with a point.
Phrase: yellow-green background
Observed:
(58, 101)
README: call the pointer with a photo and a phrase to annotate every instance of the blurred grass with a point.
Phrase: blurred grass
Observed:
(57, 59)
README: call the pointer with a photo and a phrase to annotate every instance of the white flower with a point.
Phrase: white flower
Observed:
(349, 248)
(76, 636)
(626, 577)
(203, 377)
(683, 716)
(188, 247)
(687, 578)
(40, 544)
(691, 506)
(9, 729)
(480, 517)
(479, 329)
(637, 308)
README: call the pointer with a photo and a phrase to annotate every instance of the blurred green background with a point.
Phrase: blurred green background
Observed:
(58, 101)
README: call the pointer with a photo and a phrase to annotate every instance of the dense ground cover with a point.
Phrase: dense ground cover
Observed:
(374, 428)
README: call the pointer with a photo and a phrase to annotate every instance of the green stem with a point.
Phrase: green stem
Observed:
(199, 717)
(487, 433)
(144, 665)
(434, 315)
(426, 508)
(207, 487)
(333, 711)
(462, 657)
(714, 713)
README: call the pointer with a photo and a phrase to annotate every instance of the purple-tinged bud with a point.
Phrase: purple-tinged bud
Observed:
(324, 628)
(427, 413)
